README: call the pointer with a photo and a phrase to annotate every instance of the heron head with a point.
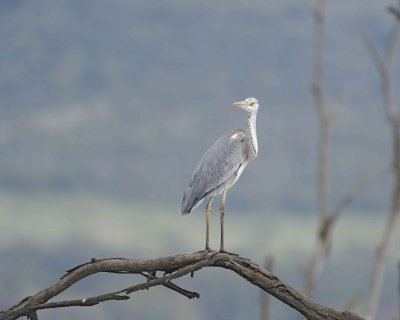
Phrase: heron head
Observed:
(249, 104)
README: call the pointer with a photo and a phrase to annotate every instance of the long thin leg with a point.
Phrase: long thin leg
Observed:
(208, 212)
(221, 219)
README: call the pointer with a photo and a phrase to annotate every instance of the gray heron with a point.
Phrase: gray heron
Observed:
(221, 166)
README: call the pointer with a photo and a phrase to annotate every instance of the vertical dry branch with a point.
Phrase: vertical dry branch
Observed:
(325, 121)
(384, 66)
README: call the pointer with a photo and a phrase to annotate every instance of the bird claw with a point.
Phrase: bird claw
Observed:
(227, 252)
(206, 251)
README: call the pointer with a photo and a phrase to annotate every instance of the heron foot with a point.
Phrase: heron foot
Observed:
(227, 252)
(207, 251)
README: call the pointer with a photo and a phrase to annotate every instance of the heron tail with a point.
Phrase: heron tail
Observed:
(188, 201)
(193, 196)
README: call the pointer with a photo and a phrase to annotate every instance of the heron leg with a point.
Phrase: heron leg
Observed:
(208, 213)
(221, 219)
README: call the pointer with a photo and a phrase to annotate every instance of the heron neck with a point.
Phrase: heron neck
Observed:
(251, 128)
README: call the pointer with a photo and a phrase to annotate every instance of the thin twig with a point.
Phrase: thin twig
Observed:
(85, 302)
(174, 287)
(356, 190)
(383, 66)
(121, 294)
(391, 47)
(319, 102)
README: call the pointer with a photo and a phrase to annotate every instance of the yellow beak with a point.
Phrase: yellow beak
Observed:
(239, 104)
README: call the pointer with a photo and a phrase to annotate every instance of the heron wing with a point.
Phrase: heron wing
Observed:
(220, 162)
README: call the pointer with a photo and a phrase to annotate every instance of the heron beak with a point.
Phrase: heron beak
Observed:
(239, 104)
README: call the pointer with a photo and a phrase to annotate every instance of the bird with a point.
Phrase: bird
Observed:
(221, 166)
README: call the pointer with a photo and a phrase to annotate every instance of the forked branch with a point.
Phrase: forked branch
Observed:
(173, 267)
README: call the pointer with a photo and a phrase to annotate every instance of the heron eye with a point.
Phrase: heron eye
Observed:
(251, 104)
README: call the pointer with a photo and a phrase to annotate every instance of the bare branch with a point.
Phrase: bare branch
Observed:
(383, 66)
(314, 269)
(181, 265)
(118, 295)
(355, 191)
(85, 302)
(391, 47)
(326, 119)
(318, 74)
(378, 271)
(379, 266)
(188, 294)
(323, 245)
(319, 102)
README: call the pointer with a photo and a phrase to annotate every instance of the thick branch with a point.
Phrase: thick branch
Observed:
(174, 267)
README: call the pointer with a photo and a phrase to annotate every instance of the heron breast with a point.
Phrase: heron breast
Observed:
(235, 177)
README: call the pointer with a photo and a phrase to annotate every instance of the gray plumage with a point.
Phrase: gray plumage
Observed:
(221, 166)
(217, 168)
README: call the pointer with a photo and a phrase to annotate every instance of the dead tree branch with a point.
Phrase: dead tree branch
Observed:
(384, 66)
(173, 267)
(325, 122)
(326, 119)
(355, 191)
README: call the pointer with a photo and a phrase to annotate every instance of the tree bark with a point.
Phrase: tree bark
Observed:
(173, 267)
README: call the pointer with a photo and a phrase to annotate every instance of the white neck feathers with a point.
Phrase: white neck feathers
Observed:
(251, 129)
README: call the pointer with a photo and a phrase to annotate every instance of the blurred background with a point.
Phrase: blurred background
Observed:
(106, 107)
